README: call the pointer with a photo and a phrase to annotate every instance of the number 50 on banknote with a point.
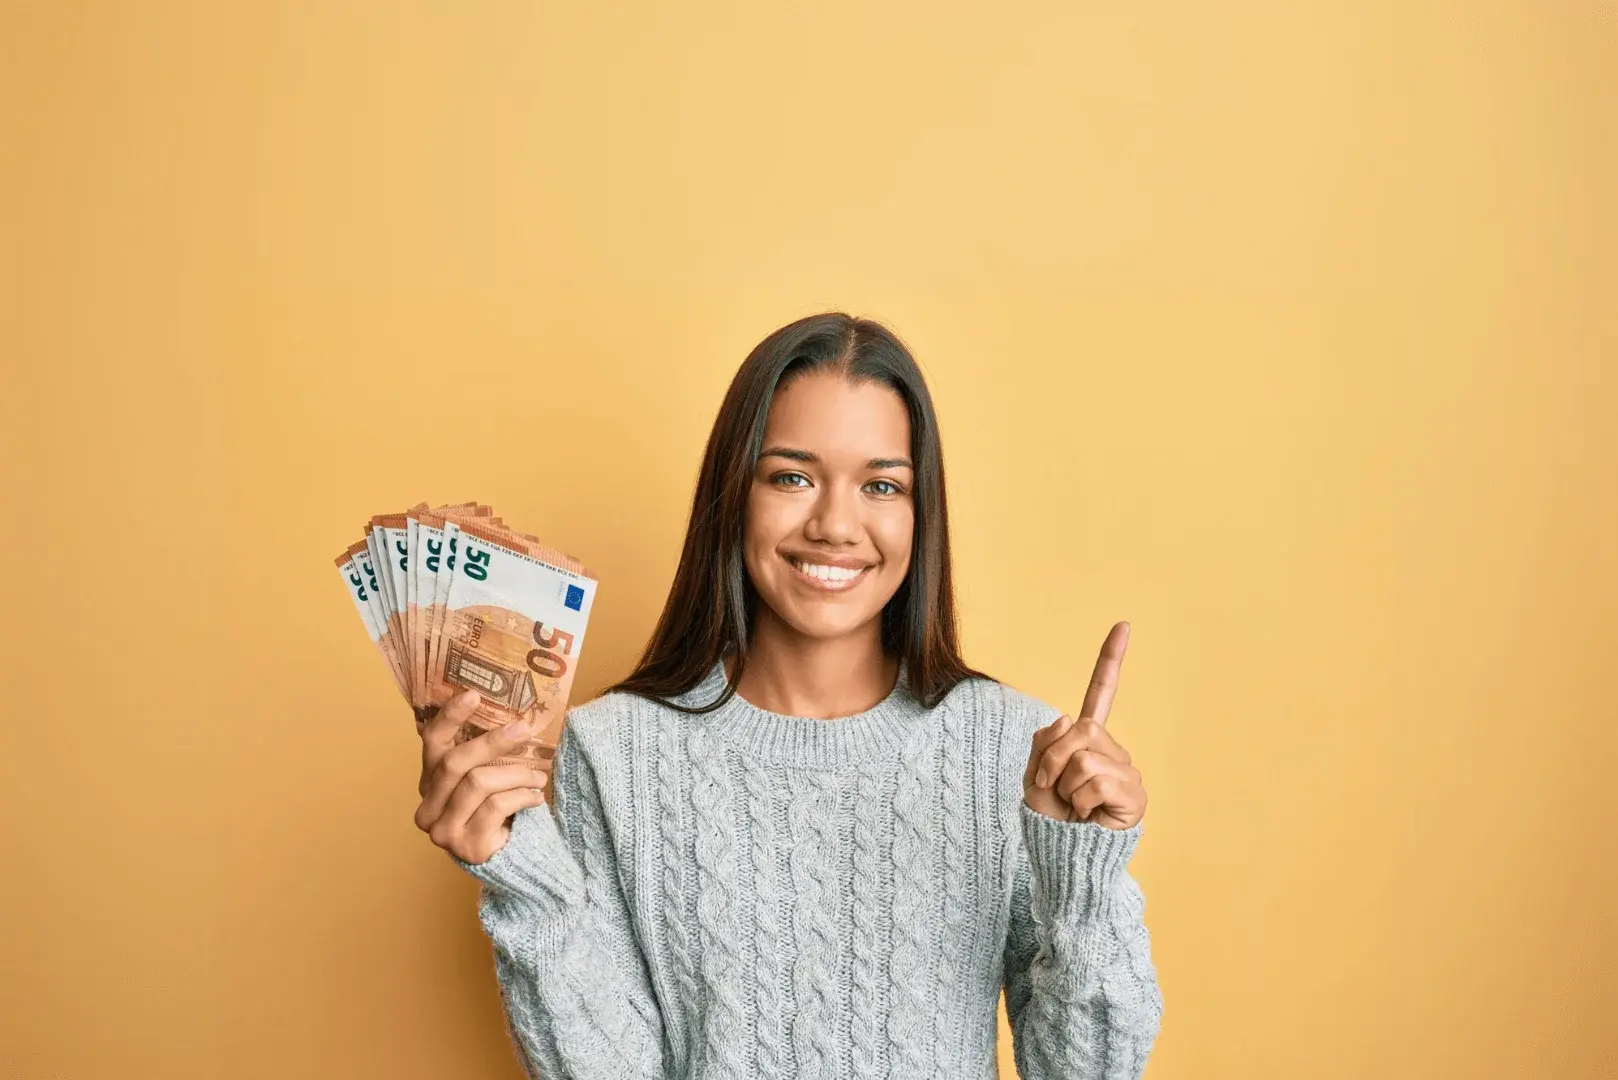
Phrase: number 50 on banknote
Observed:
(455, 599)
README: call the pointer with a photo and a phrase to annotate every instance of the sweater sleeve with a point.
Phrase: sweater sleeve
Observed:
(1081, 991)
(573, 979)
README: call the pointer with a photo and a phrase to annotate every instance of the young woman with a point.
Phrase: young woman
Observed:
(803, 838)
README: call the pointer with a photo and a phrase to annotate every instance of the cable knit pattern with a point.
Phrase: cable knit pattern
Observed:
(867, 1052)
(767, 1017)
(814, 914)
(898, 861)
(716, 912)
(913, 1009)
(953, 825)
(669, 767)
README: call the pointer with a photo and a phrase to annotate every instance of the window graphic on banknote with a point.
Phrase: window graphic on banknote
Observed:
(513, 689)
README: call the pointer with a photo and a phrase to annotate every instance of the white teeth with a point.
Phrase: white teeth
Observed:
(826, 573)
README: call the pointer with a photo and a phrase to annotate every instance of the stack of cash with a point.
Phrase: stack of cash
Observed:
(454, 599)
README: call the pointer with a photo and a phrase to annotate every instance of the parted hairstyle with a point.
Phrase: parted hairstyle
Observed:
(709, 612)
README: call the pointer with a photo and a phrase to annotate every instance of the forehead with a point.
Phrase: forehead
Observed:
(831, 416)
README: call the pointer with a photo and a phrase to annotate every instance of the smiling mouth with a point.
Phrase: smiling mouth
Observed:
(827, 578)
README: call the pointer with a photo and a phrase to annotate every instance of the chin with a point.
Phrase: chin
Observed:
(821, 629)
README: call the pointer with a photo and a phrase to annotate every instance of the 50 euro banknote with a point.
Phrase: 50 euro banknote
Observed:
(510, 624)
(455, 599)
(359, 575)
(431, 539)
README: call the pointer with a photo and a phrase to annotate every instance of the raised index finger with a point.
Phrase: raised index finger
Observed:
(1104, 680)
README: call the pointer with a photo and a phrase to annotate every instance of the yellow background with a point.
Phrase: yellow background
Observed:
(1285, 331)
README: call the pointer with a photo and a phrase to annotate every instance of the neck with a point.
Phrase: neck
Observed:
(818, 678)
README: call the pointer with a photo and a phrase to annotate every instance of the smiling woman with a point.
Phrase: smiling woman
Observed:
(803, 837)
(829, 530)
(825, 453)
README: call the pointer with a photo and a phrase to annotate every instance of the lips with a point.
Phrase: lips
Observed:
(832, 574)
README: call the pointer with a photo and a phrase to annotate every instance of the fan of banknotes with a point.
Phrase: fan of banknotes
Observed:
(455, 599)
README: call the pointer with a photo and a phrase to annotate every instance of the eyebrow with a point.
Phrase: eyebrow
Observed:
(811, 458)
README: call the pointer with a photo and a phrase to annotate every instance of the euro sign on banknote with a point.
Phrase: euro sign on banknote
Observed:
(454, 599)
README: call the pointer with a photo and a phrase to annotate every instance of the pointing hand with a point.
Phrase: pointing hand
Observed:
(1076, 770)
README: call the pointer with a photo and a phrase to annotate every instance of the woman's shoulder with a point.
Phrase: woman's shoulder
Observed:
(1025, 711)
(606, 719)
(1006, 718)
(1013, 709)
(606, 735)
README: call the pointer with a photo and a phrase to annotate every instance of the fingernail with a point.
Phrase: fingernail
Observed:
(520, 729)
(468, 699)
(1039, 778)
(539, 778)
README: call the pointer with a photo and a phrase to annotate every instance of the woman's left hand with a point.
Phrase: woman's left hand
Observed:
(1076, 770)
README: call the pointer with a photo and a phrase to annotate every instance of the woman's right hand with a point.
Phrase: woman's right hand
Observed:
(467, 803)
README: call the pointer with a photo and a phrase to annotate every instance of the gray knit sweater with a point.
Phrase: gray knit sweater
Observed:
(748, 894)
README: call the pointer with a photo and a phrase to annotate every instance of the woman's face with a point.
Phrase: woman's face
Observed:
(830, 515)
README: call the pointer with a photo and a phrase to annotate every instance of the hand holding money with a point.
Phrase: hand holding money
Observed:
(457, 601)
(467, 800)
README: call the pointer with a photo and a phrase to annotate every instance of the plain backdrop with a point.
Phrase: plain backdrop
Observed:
(1284, 331)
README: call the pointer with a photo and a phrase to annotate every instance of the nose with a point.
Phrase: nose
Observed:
(835, 518)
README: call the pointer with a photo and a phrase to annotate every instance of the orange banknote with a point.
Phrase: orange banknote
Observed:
(352, 566)
(513, 626)
(455, 599)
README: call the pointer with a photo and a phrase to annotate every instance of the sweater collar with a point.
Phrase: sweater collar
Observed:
(877, 732)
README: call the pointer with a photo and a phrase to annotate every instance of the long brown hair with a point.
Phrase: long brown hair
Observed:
(709, 612)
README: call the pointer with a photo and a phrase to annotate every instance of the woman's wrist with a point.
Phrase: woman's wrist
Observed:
(1076, 865)
(533, 863)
